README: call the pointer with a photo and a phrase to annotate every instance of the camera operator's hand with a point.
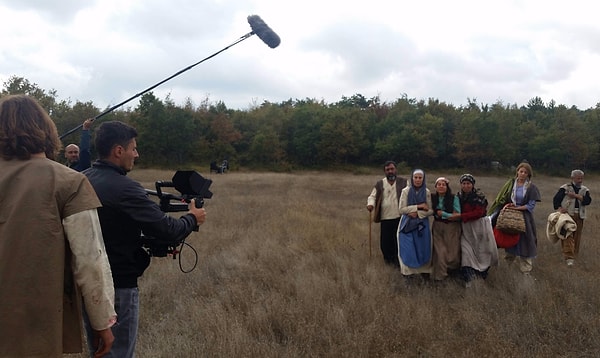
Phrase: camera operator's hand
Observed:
(199, 213)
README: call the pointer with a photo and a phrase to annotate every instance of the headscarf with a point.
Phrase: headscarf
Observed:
(448, 198)
(513, 193)
(417, 195)
(467, 177)
(442, 179)
(475, 196)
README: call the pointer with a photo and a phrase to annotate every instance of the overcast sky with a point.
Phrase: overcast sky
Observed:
(106, 51)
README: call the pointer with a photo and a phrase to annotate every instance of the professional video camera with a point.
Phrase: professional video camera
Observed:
(190, 185)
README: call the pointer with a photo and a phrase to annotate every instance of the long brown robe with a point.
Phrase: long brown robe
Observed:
(38, 298)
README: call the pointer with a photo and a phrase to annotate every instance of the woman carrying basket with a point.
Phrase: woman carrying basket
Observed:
(520, 194)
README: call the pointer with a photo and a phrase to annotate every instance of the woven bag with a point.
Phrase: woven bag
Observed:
(510, 221)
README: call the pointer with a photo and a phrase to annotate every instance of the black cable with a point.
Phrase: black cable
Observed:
(183, 244)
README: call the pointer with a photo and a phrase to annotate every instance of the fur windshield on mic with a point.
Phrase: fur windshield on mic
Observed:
(263, 31)
(259, 28)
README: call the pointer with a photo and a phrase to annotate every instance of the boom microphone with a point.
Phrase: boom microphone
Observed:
(263, 31)
(259, 28)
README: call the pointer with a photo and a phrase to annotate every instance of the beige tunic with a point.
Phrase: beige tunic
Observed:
(40, 202)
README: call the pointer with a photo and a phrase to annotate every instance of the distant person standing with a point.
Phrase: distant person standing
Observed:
(573, 198)
(79, 158)
(51, 248)
(385, 199)
(224, 166)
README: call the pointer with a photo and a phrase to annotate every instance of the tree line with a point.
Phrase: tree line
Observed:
(355, 131)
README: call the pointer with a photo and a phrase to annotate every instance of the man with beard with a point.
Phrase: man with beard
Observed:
(385, 199)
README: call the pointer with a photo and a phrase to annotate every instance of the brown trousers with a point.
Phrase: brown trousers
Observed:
(570, 246)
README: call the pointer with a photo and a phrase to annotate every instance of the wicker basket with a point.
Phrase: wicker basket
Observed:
(511, 221)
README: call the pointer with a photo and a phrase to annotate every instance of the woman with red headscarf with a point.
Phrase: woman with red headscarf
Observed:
(478, 246)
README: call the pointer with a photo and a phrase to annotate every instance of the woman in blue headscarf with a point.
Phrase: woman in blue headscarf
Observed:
(414, 235)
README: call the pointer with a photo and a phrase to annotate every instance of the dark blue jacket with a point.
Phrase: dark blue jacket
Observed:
(85, 158)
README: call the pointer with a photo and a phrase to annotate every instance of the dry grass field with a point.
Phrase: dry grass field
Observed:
(284, 271)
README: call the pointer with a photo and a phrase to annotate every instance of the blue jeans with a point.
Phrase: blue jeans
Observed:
(127, 306)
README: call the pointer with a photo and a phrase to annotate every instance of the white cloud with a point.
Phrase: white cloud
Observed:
(108, 50)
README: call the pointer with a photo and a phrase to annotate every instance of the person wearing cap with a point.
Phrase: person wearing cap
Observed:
(521, 194)
(414, 234)
(384, 199)
(573, 199)
(478, 246)
(445, 230)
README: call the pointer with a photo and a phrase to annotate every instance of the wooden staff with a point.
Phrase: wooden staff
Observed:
(370, 226)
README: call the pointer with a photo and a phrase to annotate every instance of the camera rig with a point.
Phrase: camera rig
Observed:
(190, 185)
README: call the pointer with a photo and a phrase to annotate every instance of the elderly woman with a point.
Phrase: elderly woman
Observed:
(521, 194)
(414, 235)
(478, 246)
(446, 230)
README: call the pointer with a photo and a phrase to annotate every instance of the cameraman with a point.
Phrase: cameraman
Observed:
(126, 212)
